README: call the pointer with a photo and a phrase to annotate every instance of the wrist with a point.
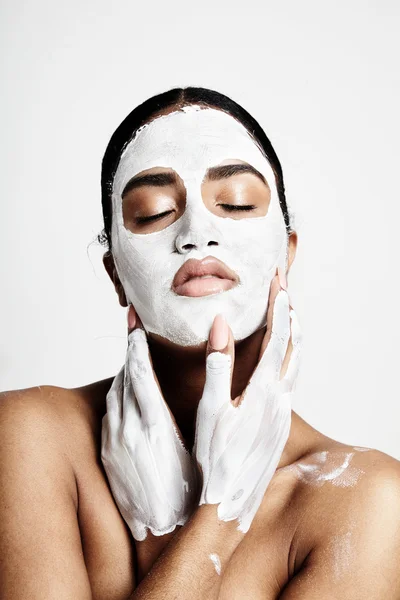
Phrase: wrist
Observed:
(224, 536)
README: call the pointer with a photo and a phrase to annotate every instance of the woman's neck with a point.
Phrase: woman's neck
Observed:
(181, 375)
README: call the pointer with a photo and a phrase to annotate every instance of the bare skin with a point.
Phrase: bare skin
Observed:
(316, 534)
(63, 537)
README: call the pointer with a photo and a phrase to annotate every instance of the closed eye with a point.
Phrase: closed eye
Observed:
(232, 207)
(227, 207)
(153, 217)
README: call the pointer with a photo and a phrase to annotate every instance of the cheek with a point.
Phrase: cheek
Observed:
(254, 243)
(254, 250)
(149, 262)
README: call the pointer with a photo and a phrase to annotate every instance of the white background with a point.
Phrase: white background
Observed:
(321, 78)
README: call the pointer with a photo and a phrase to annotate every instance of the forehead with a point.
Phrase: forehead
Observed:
(189, 140)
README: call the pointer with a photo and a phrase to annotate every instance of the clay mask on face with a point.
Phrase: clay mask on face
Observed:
(190, 141)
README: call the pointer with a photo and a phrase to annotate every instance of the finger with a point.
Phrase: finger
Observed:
(291, 374)
(165, 459)
(274, 290)
(114, 400)
(217, 387)
(289, 349)
(216, 398)
(220, 338)
(147, 392)
(270, 364)
(135, 321)
(131, 318)
(286, 359)
(254, 476)
(267, 371)
(237, 434)
(220, 358)
(146, 387)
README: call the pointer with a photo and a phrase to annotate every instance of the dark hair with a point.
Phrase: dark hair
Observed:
(175, 99)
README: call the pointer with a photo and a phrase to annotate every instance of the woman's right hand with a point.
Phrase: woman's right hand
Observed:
(151, 474)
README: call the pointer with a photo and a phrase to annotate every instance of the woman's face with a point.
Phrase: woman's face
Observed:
(197, 228)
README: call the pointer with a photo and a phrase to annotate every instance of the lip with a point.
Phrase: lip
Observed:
(203, 277)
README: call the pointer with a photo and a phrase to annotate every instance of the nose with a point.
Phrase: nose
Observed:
(191, 240)
(196, 234)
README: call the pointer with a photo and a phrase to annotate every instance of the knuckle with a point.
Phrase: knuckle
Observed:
(126, 438)
(138, 368)
(217, 362)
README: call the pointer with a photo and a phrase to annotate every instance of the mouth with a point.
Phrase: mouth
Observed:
(203, 277)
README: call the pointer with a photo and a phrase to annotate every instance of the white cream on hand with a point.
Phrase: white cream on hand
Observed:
(151, 474)
(239, 448)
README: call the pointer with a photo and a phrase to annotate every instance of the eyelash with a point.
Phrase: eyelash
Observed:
(228, 207)
(232, 207)
(153, 217)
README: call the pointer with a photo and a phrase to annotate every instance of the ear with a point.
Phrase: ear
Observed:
(292, 247)
(108, 261)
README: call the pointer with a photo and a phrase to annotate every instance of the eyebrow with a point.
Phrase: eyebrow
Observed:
(225, 171)
(170, 178)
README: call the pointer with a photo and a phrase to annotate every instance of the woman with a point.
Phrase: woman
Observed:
(188, 475)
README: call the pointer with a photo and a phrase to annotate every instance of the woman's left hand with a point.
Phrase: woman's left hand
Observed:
(238, 444)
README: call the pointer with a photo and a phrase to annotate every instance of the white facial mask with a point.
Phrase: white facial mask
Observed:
(190, 141)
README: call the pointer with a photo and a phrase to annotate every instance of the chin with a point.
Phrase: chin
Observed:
(165, 343)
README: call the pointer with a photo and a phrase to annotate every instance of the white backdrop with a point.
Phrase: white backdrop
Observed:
(321, 78)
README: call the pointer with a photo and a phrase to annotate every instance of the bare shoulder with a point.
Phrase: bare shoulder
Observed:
(59, 399)
(42, 432)
(339, 482)
(348, 533)
(365, 485)
(39, 409)
(65, 417)
(33, 432)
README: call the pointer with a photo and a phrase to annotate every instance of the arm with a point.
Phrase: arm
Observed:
(40, 548)
(146, 479)
(186, 569)
(361, 559)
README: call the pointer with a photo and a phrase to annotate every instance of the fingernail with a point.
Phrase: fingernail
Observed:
(282, 278)
(219, 334)
(131, 317)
